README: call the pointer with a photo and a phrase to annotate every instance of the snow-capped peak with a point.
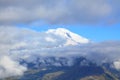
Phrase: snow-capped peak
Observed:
(71, 38)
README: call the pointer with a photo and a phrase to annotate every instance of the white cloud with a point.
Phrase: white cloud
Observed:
(117, 65)
(9, 67)
(49, 39)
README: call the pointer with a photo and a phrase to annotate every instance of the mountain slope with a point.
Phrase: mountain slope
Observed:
(78, 71)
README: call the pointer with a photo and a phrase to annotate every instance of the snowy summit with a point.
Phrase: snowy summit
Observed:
(71, 38)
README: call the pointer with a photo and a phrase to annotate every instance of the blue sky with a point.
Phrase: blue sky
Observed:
(92, 32)
(98, 34)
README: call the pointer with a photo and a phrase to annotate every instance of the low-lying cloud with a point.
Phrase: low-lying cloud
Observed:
(59, 12)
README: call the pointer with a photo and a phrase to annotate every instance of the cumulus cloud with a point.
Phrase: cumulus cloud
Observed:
(58, 12)
(117, 65)
(10, 68)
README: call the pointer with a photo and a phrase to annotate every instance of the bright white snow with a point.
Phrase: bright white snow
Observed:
(71, 38)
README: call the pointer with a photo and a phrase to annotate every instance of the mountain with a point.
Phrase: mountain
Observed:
(59, 54)
(48, 48)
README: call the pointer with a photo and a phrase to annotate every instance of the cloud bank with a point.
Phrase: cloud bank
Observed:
(59, 12)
